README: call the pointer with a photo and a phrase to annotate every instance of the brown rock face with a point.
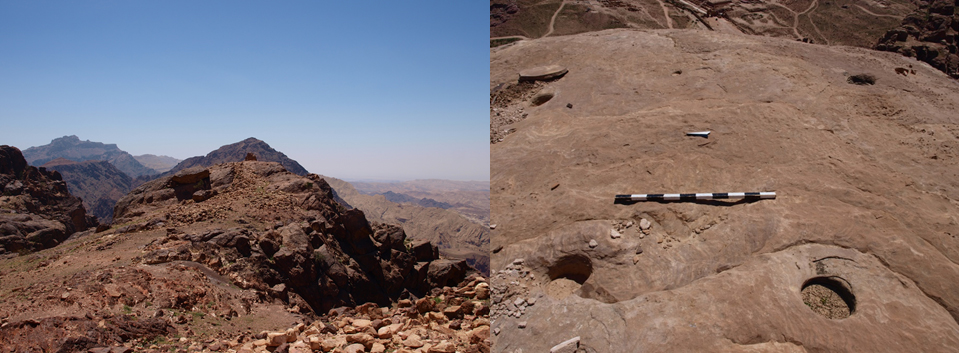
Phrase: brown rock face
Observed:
(930, 35)
(863, 220)
(321, 254)
(36, 210)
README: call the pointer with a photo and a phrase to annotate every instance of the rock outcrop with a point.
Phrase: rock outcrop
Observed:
(930, 34)
(36, 210)
(456, 236)
(319, 254)
(864, 176)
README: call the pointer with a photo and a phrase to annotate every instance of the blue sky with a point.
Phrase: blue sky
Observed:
(389, 90)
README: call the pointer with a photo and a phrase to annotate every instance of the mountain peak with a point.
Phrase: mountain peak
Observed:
(237, 152)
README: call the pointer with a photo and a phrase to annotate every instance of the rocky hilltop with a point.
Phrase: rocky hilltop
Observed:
(98, 183)
(858, 251)
(222, 253)
(36, 210)
(70, 147)
(237, 152)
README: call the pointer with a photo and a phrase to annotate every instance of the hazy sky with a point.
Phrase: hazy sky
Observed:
(357, 90)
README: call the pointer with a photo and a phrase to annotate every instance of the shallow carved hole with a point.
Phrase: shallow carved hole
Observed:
(831, 297)
(862, 79)
(567, 275)
(542, 98)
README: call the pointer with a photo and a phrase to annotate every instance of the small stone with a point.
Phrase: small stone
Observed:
(614, 234)
(479, 334)
(414, 341)
(569, 105)
(492, 226)
(635, 259)
(521, 324)
(404, 303)
(354, 348)
(378, 348)
(496, 331)
(519, 262)
(593, 243)
(443, 347)
(519, 301)
(644, 224)
(531, 301)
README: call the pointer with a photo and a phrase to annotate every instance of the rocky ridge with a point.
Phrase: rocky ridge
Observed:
(36, 209)
(236, 152)
(215, 252)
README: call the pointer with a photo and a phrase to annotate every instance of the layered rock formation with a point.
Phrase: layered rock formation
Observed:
(237, 152)
(98, 183)
(36, 210)
(930, 35)
(70, 147)
(865, 177)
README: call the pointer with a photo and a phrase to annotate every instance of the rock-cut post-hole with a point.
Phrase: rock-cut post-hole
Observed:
(831, 297)
(540, 99)
(577, 268)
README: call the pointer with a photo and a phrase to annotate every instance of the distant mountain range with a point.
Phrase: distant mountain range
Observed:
(158, 163)
(71, 148)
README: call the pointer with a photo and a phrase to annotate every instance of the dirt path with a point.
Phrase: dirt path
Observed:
(878, 15)
(669, 21)
(509, 37)
(552, 21)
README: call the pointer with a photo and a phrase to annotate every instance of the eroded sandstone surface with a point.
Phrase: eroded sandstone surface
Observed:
(865, 177)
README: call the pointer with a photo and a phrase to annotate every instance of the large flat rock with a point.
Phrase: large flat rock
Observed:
(865, 177)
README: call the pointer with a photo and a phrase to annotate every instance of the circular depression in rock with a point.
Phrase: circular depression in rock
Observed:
(567, 274)
(541, 99)
(831, 297)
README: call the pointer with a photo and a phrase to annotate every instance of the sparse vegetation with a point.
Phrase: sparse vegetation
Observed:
(503, 41)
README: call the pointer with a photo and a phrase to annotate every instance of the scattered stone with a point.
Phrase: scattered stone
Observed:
(644, 224)
(542, 73)
(521, 324)
(593, 243)
(614, 234)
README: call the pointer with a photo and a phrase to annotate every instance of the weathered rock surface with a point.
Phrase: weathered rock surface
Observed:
(865, 177)
(36, 210)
